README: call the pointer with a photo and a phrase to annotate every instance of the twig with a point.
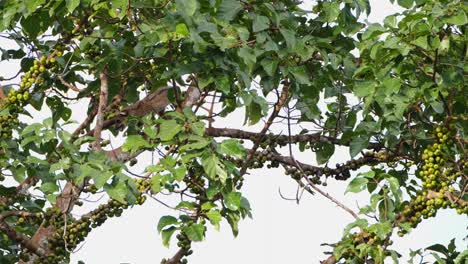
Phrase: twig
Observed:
(210, 112)
(2, 94)
(89, 119)
(69, 85)
(311, 184)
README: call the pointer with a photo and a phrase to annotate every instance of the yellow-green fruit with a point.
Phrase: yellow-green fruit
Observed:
(41, 69)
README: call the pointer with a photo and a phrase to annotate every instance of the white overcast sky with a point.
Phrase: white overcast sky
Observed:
(280, 232)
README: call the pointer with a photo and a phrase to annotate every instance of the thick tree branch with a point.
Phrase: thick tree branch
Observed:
(247, 135)
(18, 237)
(177, 257)
(101, 109)
(21, 239)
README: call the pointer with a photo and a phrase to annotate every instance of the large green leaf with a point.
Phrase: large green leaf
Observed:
(167, 234)
(213, 167)
(166, 221)
(169, 129)
(186, 7)
(233, 200)
(228, 9)
(232, 147)
(195, 232)
(357, 184)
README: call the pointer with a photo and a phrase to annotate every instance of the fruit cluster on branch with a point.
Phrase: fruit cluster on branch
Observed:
(438, 180)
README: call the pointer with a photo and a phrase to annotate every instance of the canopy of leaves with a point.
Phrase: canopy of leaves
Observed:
(156, 73)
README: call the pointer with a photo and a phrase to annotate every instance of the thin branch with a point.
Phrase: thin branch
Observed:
(311, 184)
(89, 119)
(279, 104)
(68, 85)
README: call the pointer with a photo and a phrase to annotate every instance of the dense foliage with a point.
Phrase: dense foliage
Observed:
(157, 73)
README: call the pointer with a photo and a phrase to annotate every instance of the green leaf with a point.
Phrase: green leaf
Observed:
(31, 5)
(364, 89)
(406, 3)
(269, 66)
(49, 187)
(459, 19)
(260, 23)
(187, 7)
(213, 167)
(167, 234)
(185, 204)
(249, 57)
(233, 220)
(199, 143)
(438, 259)
(117, 191)
(206, 206)
(300, 74)
(179, 173)
(228, 9)
(100, 179)
(462, 257)
(62, 164)
(36, 128)
(233, 200)
(215, 218)
(232, 147)
(169, 129)
(151, 132)
(421, 42)
(357, 184)
(381, 229)
(166, 221)
(324, 153)
(72, 5)
(391, 85)
(134, 143)
(438, 248)
(332, 10)
(290, 38)
(195, 232)
(156, 183)
(359, 143)
(182, 30)
(198, 128)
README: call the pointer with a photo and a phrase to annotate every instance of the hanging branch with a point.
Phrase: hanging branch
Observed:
(311, 184)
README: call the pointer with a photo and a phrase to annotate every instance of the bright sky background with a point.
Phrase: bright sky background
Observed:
(281, 231)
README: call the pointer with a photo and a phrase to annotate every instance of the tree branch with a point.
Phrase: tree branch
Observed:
(68, 85)
(247, 135)
(279, 104)
(177, 257)
(101, 109)
(18, 237)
